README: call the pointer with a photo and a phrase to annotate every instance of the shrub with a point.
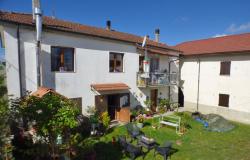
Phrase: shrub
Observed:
(105, 119)
(148, 104)
(54, 116)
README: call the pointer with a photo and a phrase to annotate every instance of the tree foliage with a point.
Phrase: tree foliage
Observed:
(52, 116)
(5, 146)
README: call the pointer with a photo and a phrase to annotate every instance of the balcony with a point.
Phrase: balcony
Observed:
(156, 79)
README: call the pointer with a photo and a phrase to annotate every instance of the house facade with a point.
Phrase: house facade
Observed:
(94, 66)
(215, 76)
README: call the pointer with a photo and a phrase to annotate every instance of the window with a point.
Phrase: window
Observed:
(124, 100)
(225, 68)
(141, 59)
(154, 64)
(62, 59)
(115, 62)
(224, 100)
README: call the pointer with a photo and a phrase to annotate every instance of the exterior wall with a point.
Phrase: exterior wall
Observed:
(12, 67)
(91, 65)
(212, 83)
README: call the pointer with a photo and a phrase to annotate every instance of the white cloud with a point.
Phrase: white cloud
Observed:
(233, 28)
(219, 35)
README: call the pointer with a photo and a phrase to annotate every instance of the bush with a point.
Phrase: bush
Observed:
(53, 114)
(105, 120)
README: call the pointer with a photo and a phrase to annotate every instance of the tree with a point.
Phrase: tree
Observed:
(52, 115)
(5, 145)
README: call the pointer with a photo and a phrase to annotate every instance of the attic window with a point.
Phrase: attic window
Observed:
(225, 68)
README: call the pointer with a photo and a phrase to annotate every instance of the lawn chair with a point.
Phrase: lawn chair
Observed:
(133, 131)
(135, 151)
(123, 143)
(164, 150)
(132, 150)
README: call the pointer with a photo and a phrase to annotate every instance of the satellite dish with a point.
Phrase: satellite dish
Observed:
(144, 41)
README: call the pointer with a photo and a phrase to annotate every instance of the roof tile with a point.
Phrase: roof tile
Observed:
(233, 43)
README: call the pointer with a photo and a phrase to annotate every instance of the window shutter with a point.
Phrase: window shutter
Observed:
(224, 100)
(225, 68)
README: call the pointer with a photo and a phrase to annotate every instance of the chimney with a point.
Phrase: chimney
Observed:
(157, 35)
(35, 4)
(108, 25)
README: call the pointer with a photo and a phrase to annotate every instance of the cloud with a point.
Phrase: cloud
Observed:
(219, 35)
(233, 28)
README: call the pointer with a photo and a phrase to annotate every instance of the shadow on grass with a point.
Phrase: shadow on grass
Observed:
(147, 124)
(107, 151)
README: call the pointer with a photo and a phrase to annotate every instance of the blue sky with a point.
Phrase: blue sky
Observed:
(178, 20)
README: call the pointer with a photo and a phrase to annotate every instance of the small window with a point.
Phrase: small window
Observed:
(225, 68)
(62, 59)
(224, 100)
(115, 62)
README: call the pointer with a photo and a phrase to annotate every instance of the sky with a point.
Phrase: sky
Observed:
(178, 20)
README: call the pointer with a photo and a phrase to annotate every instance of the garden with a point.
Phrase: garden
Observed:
(52, 127)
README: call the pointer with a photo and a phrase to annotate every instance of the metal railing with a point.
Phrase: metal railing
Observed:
(156, 79)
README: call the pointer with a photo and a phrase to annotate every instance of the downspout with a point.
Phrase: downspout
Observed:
(198, 87)
(19, 60)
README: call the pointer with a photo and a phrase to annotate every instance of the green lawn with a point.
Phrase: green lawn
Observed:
(197, 143)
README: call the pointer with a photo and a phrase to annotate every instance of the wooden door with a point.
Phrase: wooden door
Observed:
(153, 98)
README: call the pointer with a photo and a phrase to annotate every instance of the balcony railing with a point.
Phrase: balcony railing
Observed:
(156, 79)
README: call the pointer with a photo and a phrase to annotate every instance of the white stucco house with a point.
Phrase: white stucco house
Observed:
(96, 66)
(215, 76)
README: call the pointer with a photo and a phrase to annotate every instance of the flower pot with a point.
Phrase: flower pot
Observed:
(139, 125)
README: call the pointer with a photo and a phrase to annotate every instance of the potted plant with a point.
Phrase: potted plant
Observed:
(94, 120)
(140, 121)
(164, 103)
(133, 115)
(148, 104)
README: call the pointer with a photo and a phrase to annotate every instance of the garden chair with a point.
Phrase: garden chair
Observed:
(133, 131)
(123, 143)
(135, 151)
(164, 150)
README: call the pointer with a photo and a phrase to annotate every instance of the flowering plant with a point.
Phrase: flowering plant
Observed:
(140, 118)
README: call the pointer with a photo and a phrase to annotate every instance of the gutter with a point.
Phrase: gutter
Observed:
(98, 36)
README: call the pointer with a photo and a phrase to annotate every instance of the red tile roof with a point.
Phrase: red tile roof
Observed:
(42, 91)
(52, 23)
(227, 44)
(110, 86)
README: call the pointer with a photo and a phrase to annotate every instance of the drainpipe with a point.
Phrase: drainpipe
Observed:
(37, 13)
(198, 87)
(19, 60)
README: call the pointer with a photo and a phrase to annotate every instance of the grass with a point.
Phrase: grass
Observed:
(197, 143)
